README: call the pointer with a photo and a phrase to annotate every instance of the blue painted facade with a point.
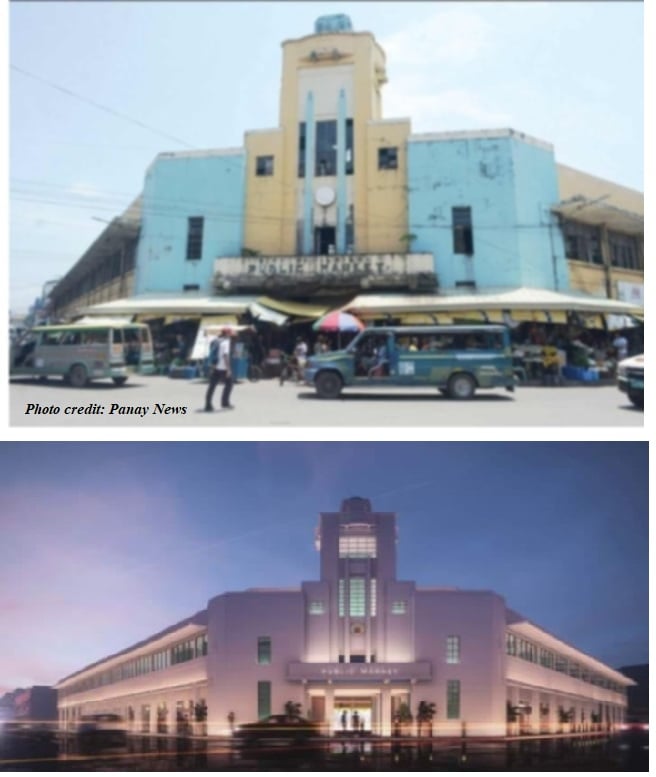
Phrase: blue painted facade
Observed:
(510, 184)
(177, 187)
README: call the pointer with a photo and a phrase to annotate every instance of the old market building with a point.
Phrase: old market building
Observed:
(338, 205)
(357, 639)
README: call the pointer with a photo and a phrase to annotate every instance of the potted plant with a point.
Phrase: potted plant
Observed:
(404, 718)
(425, 714)
(408, 239)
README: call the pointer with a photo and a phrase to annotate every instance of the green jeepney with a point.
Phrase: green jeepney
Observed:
(456, 360)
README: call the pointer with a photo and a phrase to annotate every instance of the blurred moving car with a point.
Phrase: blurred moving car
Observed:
(102, 730)
(277, 728)
(631, 379)
(632, 742)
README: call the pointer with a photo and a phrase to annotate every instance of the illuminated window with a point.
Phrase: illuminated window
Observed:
(263, 699)
(317, 608)
(399, 608)
(453, 650)
(357, 597)
(453, 699)
(357, 546)
(264, 650)
(373, 597)
(511, 644)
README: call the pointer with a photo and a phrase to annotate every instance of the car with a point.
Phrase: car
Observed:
(632, 744)
(277, 728)
(102, 730)
(631, 379)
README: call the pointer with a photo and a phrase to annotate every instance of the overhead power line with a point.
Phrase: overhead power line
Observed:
(101, 107)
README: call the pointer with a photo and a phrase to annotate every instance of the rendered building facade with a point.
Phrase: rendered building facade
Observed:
(356, 639)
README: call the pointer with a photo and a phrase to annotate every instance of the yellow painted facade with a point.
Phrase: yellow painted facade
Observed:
(593, 279)
(274, 203)
(385, 199)
(263, 212)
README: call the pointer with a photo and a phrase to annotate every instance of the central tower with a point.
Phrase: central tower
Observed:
(358, 563)
(323, 190)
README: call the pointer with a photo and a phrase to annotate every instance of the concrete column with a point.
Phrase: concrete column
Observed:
(330, 707)
(308, 193)
(553, 713)
(386, 711)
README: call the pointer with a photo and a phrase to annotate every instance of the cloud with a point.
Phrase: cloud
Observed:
(426, 58)
(450, 37)
(437, 111)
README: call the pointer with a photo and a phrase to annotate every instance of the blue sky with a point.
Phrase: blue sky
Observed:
(567, 72)
(104, 544)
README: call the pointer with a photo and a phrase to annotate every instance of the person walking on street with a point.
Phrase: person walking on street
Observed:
(221, 371)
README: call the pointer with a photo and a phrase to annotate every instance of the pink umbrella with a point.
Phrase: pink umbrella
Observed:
(338, 321)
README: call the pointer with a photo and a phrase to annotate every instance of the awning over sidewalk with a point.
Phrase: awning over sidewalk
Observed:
(178, 306)
(522, 304)
(291, 308)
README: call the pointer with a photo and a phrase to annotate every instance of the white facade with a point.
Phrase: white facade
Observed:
(356, 640)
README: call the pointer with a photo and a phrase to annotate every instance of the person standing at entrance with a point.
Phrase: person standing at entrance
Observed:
(355, 721)
(343, 718)
(221, 370)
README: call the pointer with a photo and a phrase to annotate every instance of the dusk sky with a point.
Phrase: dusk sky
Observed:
(98, 89)
(104, 544)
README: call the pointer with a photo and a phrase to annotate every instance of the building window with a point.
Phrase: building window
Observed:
(195, 237)
(561, 664)
(463, 238)
(263, 699)
(372, 598)
(316, 608)
(325, 161)
(264, 650)
(546, 658)
(357, 597)
(357, 547)
(453, 699)
(326, 148)
(399, 608)
(582, 242)
(264, 165)
(453, 650)
(624, 251)
(511, 644)
(388, 158)
(341, 598)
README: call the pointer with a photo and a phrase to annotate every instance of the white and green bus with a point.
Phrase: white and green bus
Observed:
(80, 353)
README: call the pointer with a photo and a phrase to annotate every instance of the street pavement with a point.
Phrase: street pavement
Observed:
(162, 402)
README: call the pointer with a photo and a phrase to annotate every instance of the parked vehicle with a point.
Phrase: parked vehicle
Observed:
(631, 379)
(277, 728)
(83, 352)
(456, 360)
(101, 730)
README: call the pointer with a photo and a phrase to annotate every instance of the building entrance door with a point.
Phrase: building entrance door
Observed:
(352, 715)
(324, 240)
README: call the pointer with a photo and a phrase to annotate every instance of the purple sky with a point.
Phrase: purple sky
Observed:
(103, 544)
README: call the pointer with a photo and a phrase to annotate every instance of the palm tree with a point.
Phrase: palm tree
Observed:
(425, 714)
(293, 708)
(403, 716)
